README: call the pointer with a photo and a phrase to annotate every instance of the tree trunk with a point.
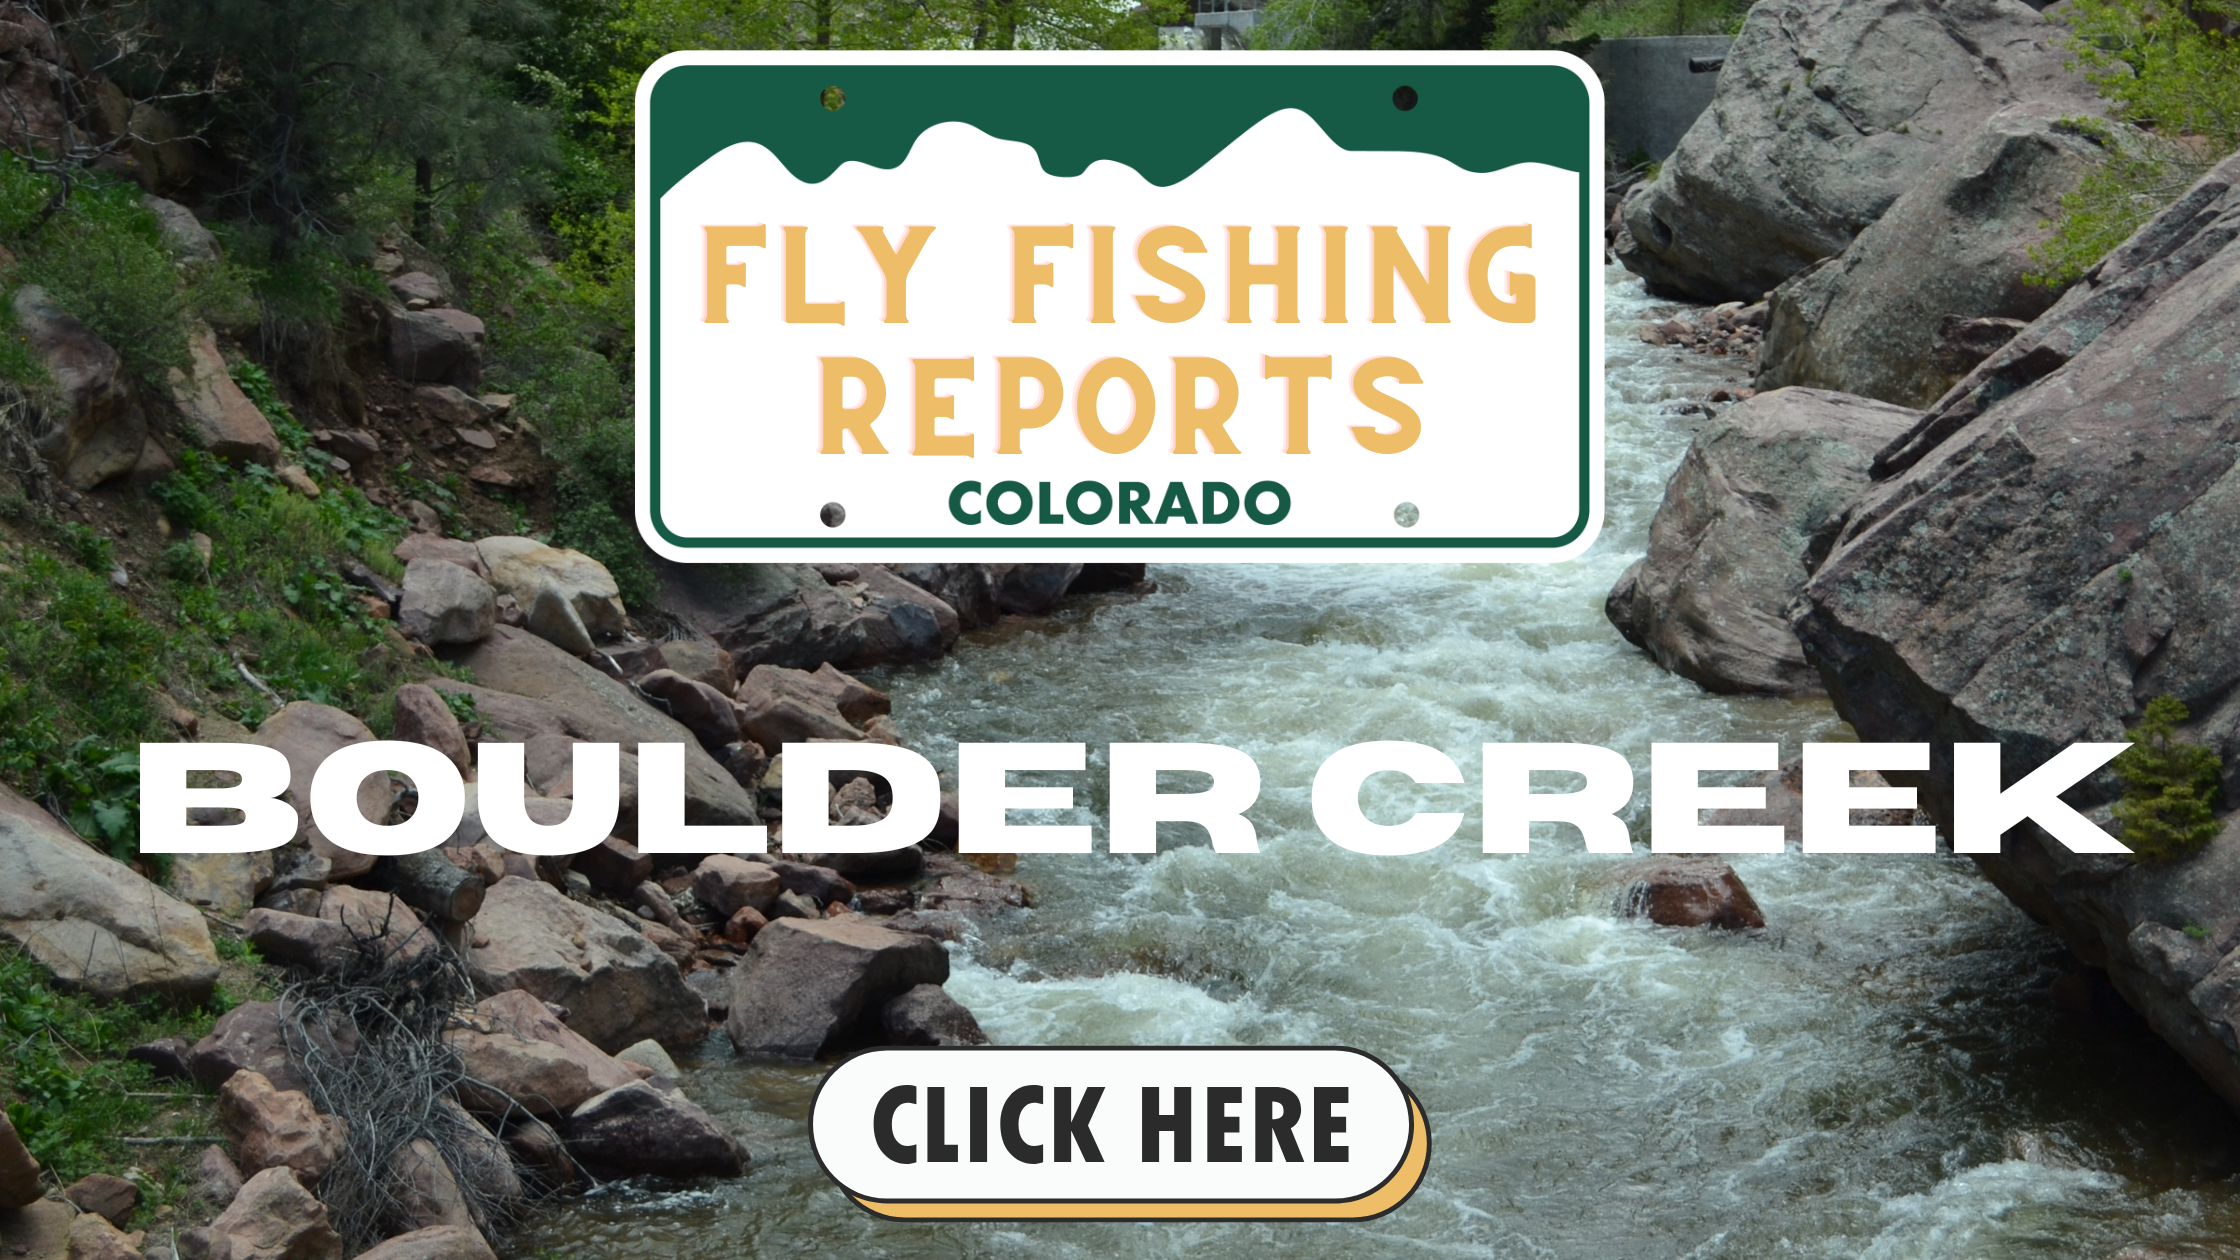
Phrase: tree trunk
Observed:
(430, 883)
(423, 201)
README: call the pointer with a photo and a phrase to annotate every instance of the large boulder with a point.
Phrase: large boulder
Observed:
(638, 1129)
(970, 589)
(525, 1015)
(1826, 111)
(780, 706)
(307, 734)
(272, 1218)
(1028, 589)
(928, 1016)
(89, 920)
(704, 710)
(788, 614)
(92, 429)
(530, 692)
(505, 1070)
(440, 346)
(1730, 544)
(618, 986)
(569, 597)
(2050, 547)
(423, 717)
(445, 603)
(809, 986)
(1957, 244)
(218, 416)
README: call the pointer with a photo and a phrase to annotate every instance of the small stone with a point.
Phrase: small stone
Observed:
(490, 475)
(424, 519)
(106, 1196)
(480, 439)
(119, 578)
(295, 478)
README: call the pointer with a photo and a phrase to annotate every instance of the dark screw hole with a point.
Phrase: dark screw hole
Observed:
(832, 514)
(834, 98)
(1403, 98)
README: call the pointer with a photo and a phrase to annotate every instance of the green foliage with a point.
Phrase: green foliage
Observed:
(342, 108)
(461, 704)
(73, 1093)
(1572, 25)
(256, 385)
(2173, 76)
(76, 667)
(2169, 786)
(102, 258)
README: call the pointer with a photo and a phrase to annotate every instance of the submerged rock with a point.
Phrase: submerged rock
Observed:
(1685, 892)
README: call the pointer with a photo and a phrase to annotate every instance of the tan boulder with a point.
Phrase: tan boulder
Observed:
(306, 734)
(93, 429)
(426, 1190)
(506, 1070)
(94, 1238)
(104, 1195)
(90, 921)
(618, 984)
(809, 986)
(273, 1218)
(726, 884)
(273, 1128)
(423, 718)
(225, 884)
(441, 1242)
(217, 414)
(571, 598)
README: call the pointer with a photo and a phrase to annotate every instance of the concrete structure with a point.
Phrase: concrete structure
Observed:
(1215, 25)
(1653, 89)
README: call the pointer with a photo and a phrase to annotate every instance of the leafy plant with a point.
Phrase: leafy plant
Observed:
(2170, 70)
(2169, 785)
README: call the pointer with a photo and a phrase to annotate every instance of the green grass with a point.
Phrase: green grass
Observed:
(72, 1093)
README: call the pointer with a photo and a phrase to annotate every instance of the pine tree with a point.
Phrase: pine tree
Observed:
(2169, 786)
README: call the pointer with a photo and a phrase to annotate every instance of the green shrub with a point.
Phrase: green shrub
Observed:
(2165, 73)
(2169, 786)
(103, 259)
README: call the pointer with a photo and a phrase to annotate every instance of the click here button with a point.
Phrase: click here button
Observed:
(1015, 1133)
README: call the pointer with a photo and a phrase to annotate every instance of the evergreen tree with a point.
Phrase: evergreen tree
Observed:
(2168, 786)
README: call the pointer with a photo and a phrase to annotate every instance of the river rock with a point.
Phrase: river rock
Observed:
(94, 1238)
(787, 614)
(619, 986)
(422, 717)
(218, 416)
(427, 1192)
(19, 1172)
(255, 1036)
(525, 1015)
(970, 589)
(807, 987)
(780, 706)
(926, 1015)
(438, 1242)
(533, 693)
(306, 734)
(506, 1070)
(103, 1195)
(1953, 247)
(1028, 589)
(226, 884)
(1730, 545)
(1684, 892)
(821, 884)
(272, 1128)
(571, 599)
(93, 428)
(727, 884)
(92, 923)
(217, 1177)
(614, 866)
(1826, 111)
(273, 1218)
(638, 1129)
(698, 661)
(439, 346)
(445, 603)
(703, 710)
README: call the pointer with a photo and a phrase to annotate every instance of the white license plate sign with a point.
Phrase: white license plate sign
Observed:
(1119, 306)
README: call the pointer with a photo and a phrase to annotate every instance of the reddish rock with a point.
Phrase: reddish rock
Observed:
(422, 717)
(19, 1172)
(274, 1128)
(744, 922)
(726, 884)
(703, 710)
(104, 1195)
(808, 987)
(1677, 892)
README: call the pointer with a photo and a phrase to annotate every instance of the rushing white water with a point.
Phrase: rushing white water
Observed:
(1865, 1078)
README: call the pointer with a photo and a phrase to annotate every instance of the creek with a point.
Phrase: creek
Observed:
(1883, 1072)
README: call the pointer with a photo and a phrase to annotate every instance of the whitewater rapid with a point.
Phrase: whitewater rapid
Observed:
(1882, 1073)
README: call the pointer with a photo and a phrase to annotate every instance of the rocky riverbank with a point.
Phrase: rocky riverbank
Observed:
(1996, 514)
